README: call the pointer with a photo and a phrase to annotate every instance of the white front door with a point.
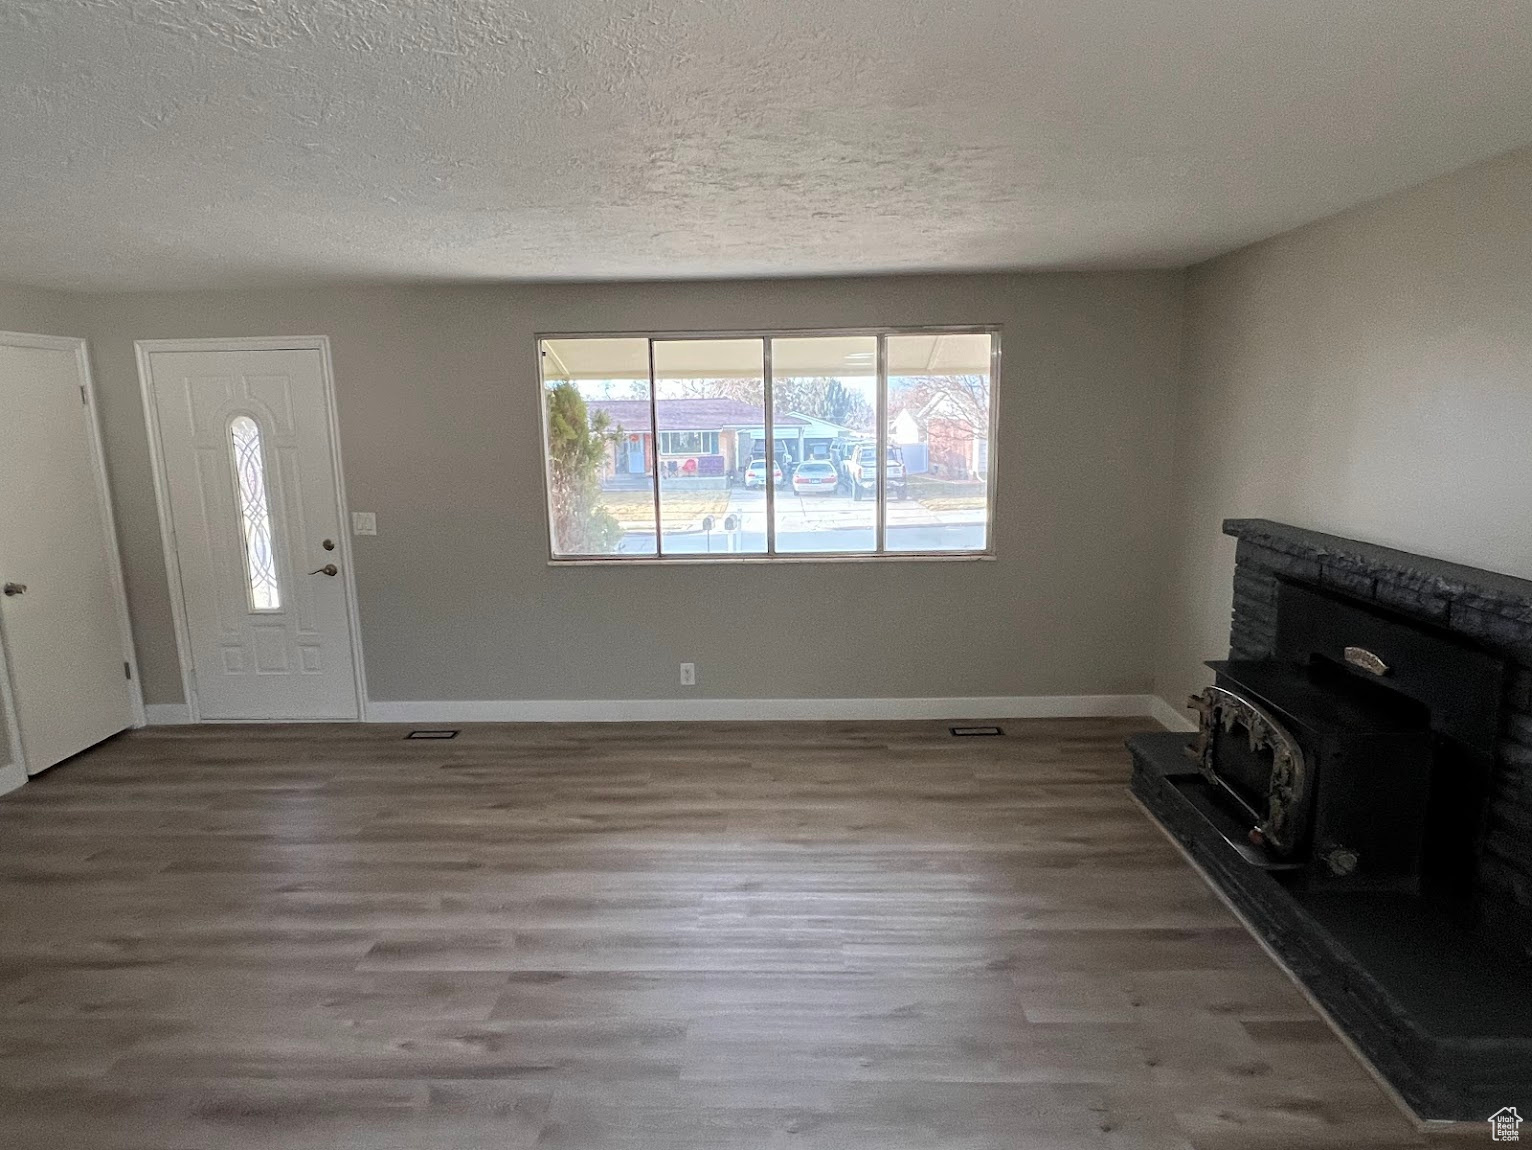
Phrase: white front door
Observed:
(63, 614)
(248, 471)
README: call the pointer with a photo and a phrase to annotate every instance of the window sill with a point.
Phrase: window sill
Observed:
(764, 560)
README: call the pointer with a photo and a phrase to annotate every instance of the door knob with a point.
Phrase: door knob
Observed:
(328, 569)
(15, 588)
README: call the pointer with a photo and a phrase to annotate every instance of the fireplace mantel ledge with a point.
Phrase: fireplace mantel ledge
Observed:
(1489, 591)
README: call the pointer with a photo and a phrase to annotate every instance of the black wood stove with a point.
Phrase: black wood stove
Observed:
(1359, 753)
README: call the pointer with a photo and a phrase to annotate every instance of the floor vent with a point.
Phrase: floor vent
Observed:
(437, 733)
(962, 732)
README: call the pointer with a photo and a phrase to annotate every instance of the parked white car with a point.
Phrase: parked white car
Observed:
(815, 477)
(755, 474)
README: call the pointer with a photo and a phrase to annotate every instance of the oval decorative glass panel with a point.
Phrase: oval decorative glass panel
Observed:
(254, 515)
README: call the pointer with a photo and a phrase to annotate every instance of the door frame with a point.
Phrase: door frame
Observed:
(109, 530)
(143, 349)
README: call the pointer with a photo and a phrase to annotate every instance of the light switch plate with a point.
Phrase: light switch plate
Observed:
(364, 523)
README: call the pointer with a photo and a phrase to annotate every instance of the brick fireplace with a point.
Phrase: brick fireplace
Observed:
(1427, 968)
(1494, 611)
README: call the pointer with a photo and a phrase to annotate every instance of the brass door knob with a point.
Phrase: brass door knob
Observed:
(328, 569)
(15, 588)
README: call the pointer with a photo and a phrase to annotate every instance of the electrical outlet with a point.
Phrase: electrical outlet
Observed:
(688, 674)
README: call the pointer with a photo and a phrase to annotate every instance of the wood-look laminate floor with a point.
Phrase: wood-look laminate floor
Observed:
(859, 936)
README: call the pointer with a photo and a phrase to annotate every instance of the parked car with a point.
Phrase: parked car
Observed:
(859, 471)
(815, 476)
(755, 474)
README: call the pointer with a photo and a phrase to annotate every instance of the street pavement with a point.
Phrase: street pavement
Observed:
(808, 523)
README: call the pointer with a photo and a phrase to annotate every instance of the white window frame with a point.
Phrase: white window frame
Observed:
(771, 555)
(704, 438)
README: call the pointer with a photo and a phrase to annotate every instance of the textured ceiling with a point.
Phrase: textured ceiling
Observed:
(190, 143)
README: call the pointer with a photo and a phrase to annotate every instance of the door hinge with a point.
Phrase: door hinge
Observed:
(83, 400)
(127, 671)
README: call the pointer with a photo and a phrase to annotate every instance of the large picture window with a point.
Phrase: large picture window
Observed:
(767, 445)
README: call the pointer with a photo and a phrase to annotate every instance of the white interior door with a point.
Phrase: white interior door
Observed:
(67, 645)
(249, 475)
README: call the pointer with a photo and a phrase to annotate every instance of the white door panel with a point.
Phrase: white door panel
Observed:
(244, 440)
(64, 634)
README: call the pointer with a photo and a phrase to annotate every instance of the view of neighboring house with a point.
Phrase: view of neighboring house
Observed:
(816, 437)
(937, 439)
(702, 438)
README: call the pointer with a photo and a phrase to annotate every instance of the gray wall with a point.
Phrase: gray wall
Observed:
(34, 311)
(1369, 375)
(438, 399)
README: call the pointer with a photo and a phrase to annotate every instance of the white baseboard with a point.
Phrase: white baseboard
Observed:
(727, 710)
(1169, 717)
(11, 777)
(715, 710)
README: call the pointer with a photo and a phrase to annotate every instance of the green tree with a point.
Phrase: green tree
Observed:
(577, 446)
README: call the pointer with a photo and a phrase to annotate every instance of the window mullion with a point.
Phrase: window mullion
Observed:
(654, 445)
(881, 463)
(771, 450)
